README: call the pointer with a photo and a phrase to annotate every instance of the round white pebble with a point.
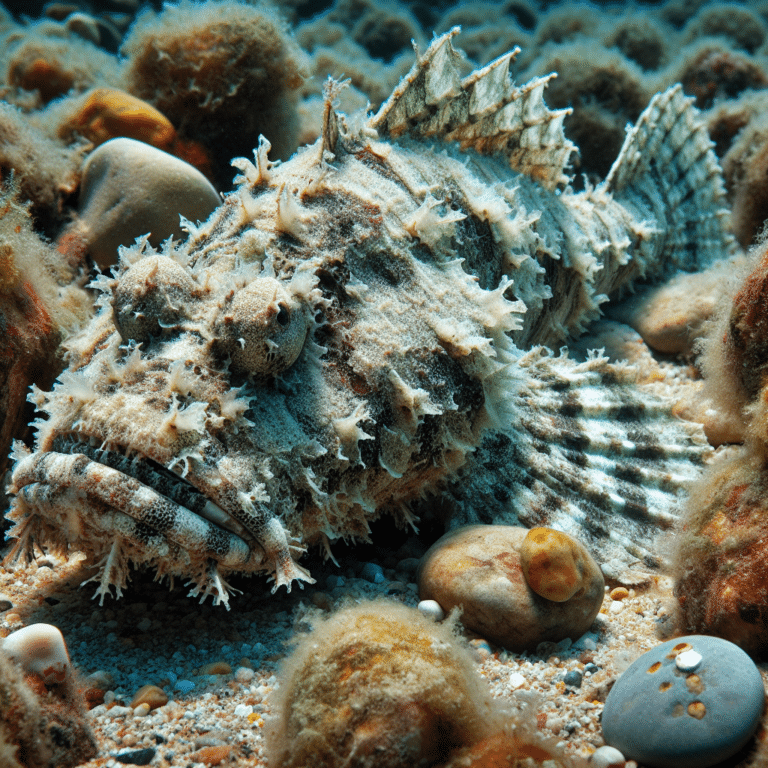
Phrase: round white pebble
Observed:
(687, 661)
(432, 610)
(244, 674)
(606, 757)
(243, 710)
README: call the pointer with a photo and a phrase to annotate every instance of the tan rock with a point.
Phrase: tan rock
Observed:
(671, 317)
(479, 568)
(212, 755)
(129, 189)
(216, 668)
(150, 694)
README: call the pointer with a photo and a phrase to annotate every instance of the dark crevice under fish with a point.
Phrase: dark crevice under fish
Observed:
(368, 324)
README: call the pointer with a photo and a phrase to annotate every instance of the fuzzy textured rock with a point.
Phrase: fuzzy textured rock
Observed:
(347, 333)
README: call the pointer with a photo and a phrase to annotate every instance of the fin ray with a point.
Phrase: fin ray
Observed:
(484, 111)
(593, 454)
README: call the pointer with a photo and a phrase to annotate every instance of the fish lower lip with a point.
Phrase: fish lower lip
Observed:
(154, 475)
(169, 508)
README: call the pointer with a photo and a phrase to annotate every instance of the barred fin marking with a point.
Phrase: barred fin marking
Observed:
(667, 173)
(58, 474)
(484, 112)
(593, 454)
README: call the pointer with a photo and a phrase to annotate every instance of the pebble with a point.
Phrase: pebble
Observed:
(244, 674)
(573, 678)
(372, 572)
(152, 695)
(184, 686)
(664, 716)
(431, 609)
(243, 710)
(136, 756)
(216, 668)
(670, 317)
(100, 679)
(119, 711)
(211, 755)
(606, 757)
(555, 565)
(479, 567)
(334, 581)
(40, 649)
(130, 188)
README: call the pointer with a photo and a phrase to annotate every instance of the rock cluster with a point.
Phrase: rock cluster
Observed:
(515, 587)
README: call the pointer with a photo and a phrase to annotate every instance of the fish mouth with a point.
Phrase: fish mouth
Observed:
(136, 509)
(152, 474)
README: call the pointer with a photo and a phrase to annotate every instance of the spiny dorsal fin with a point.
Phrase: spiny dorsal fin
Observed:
(331, 91)
(484, 111)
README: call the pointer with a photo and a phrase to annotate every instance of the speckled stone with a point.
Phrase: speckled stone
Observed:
(668, 711)
(479, 568)
(555, 565)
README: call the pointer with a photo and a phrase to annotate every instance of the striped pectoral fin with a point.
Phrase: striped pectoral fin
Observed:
(590, 453)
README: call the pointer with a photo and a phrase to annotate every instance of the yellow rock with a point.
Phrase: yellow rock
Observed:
(555, 566)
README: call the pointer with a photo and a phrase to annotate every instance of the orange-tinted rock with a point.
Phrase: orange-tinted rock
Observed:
(378, 685)
(211, 755)
(555, 565)
(722, 557)
(93, 697)
(107, 113)
(43, 714)
(380, 682)
(49, 78)
(479, 568)
(502, 750)
(216, 668)
(670, 317)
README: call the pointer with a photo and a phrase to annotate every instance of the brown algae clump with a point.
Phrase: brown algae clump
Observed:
(222, 73)
(379, 685)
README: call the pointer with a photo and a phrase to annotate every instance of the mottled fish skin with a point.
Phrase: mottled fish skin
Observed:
(362, 326)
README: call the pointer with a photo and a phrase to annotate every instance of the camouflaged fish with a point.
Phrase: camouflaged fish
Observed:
(367, 324)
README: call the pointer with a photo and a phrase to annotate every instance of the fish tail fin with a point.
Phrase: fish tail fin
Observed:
(667, 175)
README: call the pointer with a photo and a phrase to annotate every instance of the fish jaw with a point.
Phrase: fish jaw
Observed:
(133, 466)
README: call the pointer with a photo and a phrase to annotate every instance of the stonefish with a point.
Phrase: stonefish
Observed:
(368, 324)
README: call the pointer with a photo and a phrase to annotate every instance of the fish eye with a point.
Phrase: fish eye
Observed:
(261, 328)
